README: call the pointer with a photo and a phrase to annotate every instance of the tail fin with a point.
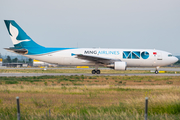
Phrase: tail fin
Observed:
(19, 38)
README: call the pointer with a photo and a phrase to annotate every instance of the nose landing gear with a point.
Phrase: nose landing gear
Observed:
(156, 71)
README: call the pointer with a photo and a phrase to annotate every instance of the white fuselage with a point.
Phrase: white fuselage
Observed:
(68, 57)
(117, 59)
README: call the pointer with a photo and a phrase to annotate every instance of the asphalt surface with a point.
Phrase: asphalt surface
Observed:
(89, 74)
(151, 69)
(85, 74)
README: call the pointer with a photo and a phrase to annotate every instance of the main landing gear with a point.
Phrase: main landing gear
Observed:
(96, 71)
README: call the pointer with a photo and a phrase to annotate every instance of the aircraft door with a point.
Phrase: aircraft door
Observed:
(159, 56)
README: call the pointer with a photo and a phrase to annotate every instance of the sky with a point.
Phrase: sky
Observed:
(141, 24)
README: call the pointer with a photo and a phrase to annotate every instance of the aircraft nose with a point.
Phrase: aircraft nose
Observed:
(175, 59)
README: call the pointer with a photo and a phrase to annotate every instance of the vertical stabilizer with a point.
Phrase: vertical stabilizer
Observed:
(19, 38)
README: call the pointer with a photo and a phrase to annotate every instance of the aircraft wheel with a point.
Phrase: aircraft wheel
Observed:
(93, 71)
(98, 71)
(156, 72)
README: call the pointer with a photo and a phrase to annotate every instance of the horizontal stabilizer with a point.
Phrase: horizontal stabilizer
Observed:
(20, 51)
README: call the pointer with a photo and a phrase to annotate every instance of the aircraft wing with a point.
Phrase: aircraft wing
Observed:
(97, 59)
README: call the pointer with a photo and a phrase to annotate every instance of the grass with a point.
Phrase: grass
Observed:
(66, 71)
(110, 97)
(98, 80)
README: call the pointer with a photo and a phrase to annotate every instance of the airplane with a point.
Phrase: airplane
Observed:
(117, 59)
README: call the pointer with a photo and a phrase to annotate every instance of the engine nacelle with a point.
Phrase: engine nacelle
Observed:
(118, 65)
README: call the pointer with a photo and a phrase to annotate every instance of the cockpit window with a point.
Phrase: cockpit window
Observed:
(170, 55)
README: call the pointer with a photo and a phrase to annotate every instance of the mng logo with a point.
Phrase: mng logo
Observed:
(135, 55)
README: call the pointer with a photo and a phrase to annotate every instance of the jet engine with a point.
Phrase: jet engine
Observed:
(118, 65)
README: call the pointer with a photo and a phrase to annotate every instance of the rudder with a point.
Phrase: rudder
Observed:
(19, 38)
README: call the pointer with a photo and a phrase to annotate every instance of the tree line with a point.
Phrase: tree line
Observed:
(16, 60)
